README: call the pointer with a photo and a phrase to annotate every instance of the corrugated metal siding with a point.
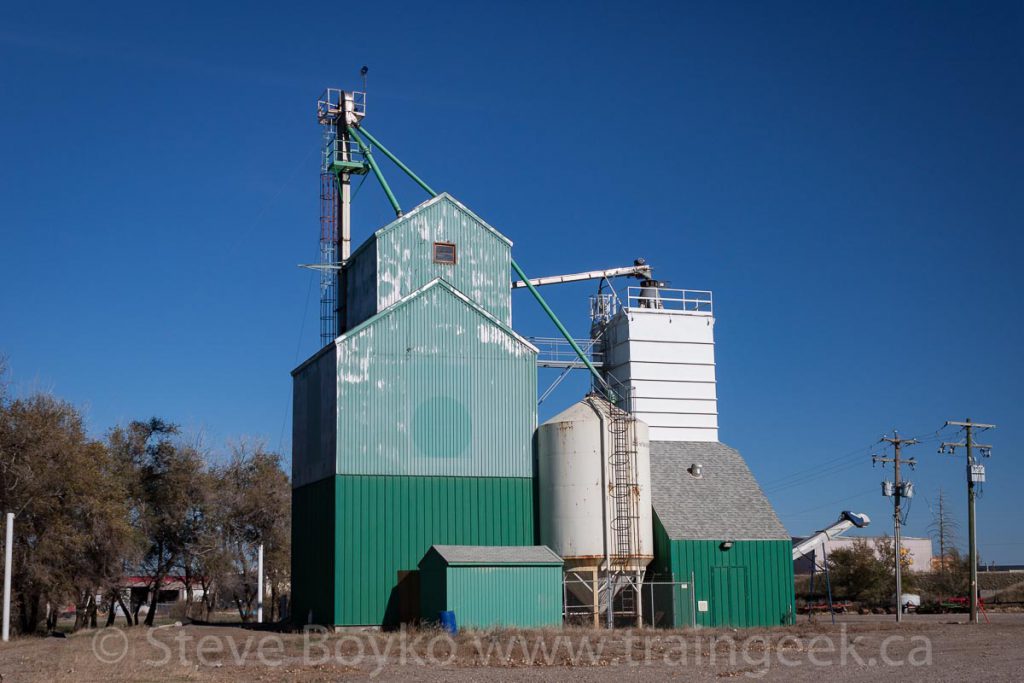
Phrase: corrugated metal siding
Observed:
(359, 285)
(405, 258)
(314, 407)
(526, 597)
(386, 524)
(751, 584)
(312, 552)
(433, 387)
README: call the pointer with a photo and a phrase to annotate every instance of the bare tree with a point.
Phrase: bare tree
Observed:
(944, 529)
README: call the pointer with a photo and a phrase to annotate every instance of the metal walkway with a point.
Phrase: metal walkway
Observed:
(555, 352)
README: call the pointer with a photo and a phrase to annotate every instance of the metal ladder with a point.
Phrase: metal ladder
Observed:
(624, 490)
(329, 277)
(625, 494)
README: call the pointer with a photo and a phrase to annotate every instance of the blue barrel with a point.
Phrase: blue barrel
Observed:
(448, 622)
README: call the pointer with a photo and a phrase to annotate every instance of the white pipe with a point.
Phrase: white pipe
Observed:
(8, 554)
(639, 271)
(845, 522)
(259, 590)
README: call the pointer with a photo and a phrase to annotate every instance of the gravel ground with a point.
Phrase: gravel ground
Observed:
(857, 648)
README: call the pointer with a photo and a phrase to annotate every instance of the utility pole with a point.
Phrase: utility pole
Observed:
(897, 489)
(975, 474)
(259, 582)
(8, 547)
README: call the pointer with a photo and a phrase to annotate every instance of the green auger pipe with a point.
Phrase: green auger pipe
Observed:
(515, 266)
(376, 171)
(398, 162)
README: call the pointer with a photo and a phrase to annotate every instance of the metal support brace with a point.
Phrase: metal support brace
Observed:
(398, 162)
(515, 266)
(561, 328)
(376, 171)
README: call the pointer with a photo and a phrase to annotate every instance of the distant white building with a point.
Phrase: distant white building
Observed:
(918, 550)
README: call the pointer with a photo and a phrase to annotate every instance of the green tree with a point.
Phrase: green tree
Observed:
(70, 516)
(165, 478)
(254, 507)
(866, 572)
(886, 549)
(858, 574)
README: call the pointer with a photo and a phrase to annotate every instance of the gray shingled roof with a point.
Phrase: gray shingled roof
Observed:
(497, 554)
(724, 504)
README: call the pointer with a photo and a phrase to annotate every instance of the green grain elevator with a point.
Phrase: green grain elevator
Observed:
(413, 427)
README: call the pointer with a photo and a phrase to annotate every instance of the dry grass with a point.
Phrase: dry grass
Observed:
(225, 653)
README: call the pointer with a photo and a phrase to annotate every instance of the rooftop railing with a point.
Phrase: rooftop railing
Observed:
(694, 301)
(331, 104)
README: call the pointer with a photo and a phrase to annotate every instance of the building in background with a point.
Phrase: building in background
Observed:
(917, 550)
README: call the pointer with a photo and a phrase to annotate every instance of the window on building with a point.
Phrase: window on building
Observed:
(444, 252)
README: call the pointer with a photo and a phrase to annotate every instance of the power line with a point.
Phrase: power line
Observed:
(298, 349)
(839, 460)
(812, 476)
(837, 464)
(832, 503)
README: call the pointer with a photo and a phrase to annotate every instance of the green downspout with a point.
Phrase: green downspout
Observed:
(397, 161)
(376, 171)
(515, 266)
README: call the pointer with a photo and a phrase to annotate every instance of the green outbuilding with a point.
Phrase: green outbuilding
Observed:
(717, 542)
(490, 586)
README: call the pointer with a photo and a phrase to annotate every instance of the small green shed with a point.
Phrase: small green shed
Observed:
(486, 586)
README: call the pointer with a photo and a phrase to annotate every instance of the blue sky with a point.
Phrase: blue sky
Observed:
(846, 178)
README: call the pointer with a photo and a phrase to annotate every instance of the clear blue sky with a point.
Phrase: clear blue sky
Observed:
(846, 178)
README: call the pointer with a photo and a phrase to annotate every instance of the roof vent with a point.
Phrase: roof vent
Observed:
(695, 470)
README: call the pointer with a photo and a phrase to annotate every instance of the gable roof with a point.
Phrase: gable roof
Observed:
(496, 554)
(725, 503)
(443, 197)
(443, 284)
(404, 301)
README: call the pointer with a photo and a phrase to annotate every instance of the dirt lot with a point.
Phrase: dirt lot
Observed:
(933, 648)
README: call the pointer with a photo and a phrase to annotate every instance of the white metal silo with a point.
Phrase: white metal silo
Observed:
(661, 345)
(594, 479)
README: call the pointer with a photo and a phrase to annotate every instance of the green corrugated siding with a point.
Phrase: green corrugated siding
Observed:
(312, 552)
(751, 584)
(386, 524)
(433, 387)
(523, 596)
(405, 258)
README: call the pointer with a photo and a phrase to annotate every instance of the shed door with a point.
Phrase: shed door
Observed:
(729, 598)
